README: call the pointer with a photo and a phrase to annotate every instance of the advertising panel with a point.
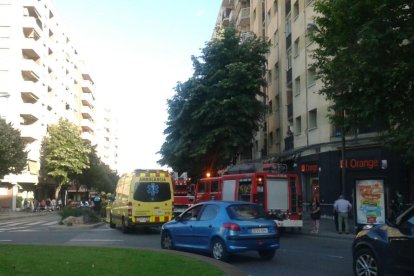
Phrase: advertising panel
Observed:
(370, 201)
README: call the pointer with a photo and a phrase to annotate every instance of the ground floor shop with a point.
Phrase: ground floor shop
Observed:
(374, 179)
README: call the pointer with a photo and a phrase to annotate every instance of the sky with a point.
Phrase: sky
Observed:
(136, 51)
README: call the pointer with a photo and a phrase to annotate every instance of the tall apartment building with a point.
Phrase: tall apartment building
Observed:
(297, 130)
(42, 78)
(107, 146)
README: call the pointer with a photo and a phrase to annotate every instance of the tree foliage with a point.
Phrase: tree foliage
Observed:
(65, 153)
(364, 59)
(98, 175)
(214, 114)
(13, 157)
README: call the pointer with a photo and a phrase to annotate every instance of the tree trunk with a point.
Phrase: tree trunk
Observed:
(57, 192)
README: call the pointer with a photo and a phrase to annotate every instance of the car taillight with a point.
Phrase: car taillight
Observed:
(231, 226)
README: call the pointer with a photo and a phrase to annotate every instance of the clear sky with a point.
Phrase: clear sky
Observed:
(136, 52)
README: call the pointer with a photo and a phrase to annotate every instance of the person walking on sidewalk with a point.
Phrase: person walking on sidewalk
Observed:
(315, 214)
(342, 207)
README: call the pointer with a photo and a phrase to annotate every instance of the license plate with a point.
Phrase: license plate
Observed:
(143, 219)
(260, 230)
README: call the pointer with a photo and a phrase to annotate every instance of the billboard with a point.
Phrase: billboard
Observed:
(370, 201)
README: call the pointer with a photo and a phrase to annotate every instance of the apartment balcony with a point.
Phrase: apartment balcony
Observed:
(87, 125)
(30, 91)
(31, 48)
(30, 113)
(88, 99)
(31, 133)
(30, 22)
(289, 143)
(87, 112)
(30, 70)
(87, 86)
(31, 33)
(244, 17)
(89, 137)
(228, 3)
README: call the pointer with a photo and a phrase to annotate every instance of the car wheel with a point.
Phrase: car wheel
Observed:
(365, 263)
(267, 254)
(166, 240)
(218, 250)
(124, 226)
(111, 224)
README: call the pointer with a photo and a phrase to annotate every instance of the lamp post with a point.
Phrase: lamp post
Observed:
(343, 167)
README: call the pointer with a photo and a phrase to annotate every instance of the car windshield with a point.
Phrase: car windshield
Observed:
(152, 191)
(245, 211)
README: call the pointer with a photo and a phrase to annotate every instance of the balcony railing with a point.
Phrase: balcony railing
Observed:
(87, 112)
(30, 70)
(31, 48)
(244, 17)
(87, 86)
(87, 125)
(88, 99)
(31, 91)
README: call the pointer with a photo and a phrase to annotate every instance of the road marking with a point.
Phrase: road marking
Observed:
(37, 222)
(5, 240)
(13, 228)
(95, 240)
(51, 223)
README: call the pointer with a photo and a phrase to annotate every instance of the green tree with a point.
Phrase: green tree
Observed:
(214, 115)
(65, 153)
(13, 157)
(364, 59)
(98, 175)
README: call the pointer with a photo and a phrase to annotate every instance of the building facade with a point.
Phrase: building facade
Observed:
(42, 78)
(297, 130)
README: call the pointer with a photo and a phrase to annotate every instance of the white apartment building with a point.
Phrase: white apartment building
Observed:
(297, 131)
(107, 138)
(42, 78)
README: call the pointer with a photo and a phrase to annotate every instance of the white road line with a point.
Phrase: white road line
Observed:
(25, 230)
(14, 224)
(51, 223)
(37, 222)
(95, 240)
(12, 228)
(6, 240)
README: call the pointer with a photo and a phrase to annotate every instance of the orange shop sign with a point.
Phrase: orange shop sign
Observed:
(364, 164)
(309, 168)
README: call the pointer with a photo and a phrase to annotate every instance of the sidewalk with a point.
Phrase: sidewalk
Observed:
(326, 228)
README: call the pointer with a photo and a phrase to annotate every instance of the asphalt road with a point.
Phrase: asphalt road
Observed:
(299, 254)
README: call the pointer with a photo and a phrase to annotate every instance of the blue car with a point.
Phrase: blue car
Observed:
(222, 228)
(386, 248)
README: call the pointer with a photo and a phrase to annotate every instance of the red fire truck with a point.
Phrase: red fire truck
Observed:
(183, 193)
(268, 184)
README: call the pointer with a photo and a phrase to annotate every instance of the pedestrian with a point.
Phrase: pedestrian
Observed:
(315, 215)
(342, 207)
(59, 204)
(97, 203)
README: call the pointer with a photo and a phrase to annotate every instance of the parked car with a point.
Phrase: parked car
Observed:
(386, 248)
(222, 228)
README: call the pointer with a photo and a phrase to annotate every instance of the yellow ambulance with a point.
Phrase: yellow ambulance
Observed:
(142, 198)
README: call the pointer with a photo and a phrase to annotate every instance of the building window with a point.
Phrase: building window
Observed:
(296, 10)
(297, 86)
(311, 77)
(296, 47)
(277, 135)
(313, 118)
(277, 103)
(270, 107)
(298, 125)
(269, 77)
(289, 59)
(271, 141)
(276, 38)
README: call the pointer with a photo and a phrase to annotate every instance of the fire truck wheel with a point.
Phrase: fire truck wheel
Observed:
(166, 240)
(218, 250)
(111, 224)
(267, 254)
(124, 226)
